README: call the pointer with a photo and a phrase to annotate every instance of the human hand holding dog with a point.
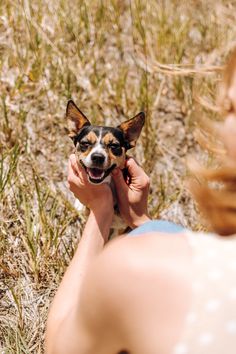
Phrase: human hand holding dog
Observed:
(132, 197)
(95, 197)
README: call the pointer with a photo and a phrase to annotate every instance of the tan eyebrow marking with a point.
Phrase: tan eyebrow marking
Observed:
(91, 137)
(119, 160)
(109, 138)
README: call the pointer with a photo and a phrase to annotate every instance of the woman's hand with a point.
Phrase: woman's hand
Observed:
(132, 197)
(95, 197)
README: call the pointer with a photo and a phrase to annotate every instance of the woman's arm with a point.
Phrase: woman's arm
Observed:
(118, 298)
(95, 235)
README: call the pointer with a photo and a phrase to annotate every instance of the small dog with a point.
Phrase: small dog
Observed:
(100, 149)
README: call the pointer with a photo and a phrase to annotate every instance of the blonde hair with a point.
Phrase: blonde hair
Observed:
(215, 189)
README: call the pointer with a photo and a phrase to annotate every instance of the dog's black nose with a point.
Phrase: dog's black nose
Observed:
(97, 158)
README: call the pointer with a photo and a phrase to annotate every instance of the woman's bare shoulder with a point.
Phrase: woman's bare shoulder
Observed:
(162, 247)
(130, 289)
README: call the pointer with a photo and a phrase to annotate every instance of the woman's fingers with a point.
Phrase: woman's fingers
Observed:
(120, 183)
(72, 178)
(74, 163)
(136, 172)
(77, 170)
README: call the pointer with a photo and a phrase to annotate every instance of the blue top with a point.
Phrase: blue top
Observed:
(158, 226)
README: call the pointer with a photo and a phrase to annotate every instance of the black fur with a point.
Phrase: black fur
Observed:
(118, 134)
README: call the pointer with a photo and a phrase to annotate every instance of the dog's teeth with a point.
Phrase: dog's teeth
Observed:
(96, 173)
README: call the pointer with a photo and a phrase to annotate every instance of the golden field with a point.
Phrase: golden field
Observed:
(114, 58)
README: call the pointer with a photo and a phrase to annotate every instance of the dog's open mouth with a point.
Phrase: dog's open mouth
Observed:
(97, 175)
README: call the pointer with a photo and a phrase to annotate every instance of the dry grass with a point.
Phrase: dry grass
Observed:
(114, 58)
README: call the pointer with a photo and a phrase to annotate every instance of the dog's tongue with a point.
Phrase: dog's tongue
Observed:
(95, 173)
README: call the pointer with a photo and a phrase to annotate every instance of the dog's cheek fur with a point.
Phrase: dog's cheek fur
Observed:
(118, 160)
(82, 155)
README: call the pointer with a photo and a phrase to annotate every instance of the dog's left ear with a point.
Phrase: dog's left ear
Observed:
(132, 128)
(76, 119)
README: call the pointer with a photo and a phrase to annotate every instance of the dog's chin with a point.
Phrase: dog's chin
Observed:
(97, 175)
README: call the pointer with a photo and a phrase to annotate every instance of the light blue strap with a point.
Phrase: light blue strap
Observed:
(158, 226)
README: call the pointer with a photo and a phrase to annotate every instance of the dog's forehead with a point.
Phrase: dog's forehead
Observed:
(92, 137)
(110, 134)
(102, 134)
(90, 132)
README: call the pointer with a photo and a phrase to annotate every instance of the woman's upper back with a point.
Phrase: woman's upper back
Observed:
(210, 325)
(150, 292)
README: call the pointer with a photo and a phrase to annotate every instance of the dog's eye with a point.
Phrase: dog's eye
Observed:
(84, 145)
(115, 148)
(114, 145)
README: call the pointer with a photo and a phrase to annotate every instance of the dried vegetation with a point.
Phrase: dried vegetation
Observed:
(113, 58)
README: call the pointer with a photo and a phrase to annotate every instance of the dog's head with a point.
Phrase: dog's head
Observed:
(100, 149)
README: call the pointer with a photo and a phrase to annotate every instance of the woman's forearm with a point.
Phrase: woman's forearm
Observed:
(94, 236)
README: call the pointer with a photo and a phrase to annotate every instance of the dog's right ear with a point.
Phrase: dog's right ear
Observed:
(76, 119)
